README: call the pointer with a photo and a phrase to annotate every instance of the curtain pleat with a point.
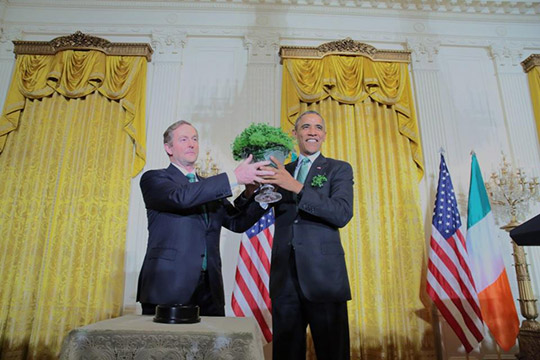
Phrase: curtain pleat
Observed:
(384, 242)
(64, 195)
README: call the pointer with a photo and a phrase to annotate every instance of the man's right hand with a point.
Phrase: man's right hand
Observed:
(247, 173)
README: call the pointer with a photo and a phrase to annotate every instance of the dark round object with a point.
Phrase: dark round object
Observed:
(177, 314)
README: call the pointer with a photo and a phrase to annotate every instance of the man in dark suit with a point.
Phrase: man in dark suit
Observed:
(308, 278)
(185, 215)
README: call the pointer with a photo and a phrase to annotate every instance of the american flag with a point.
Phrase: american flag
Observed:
(449, 281)
(251, 295)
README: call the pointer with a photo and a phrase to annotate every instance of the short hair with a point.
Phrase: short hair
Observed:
(167, 135)
(307, 113)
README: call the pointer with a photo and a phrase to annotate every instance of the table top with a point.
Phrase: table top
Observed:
(139, 337)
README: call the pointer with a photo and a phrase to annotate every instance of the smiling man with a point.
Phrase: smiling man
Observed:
(309, 284)
(185, 215)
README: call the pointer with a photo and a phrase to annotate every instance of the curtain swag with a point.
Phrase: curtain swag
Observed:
(76, 74)
(350, 80)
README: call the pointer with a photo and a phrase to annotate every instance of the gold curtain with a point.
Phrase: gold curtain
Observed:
(371, 123)
(534, 86)
(71, 136)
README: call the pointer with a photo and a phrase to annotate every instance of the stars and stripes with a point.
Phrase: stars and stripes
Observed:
(449, 280)
(251, 295)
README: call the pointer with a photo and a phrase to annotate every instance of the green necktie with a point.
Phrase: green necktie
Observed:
(191, 177)
(303, 171)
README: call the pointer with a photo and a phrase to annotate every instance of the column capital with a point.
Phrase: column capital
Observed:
(7, 35)
(507, 56)
(168, 45)
(424, 53)
(262, 47)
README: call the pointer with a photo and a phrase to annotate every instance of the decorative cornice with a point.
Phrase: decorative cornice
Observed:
(343, 47)
(80, 41)
(427, 7)
(147, 32)
(530, 62)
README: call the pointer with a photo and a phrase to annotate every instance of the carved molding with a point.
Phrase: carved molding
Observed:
(442, 7)
(262, 46)
(530, 62)
(285, 33)
(171, 42)
(343, 47)
(506, 54)
(7, 35)
(424, 52)
(80, 41)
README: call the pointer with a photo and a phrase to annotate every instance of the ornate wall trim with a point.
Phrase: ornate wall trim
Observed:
(343, 47)
(262, 46)
(530, 62)
(80, 41)
(517, 8)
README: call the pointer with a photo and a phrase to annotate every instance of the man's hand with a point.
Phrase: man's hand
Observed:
(250, 190)
(282, 178)
(247, 173)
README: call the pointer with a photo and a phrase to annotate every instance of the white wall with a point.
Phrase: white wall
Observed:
(216, 65)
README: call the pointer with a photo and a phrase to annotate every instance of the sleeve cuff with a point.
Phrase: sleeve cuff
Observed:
(232, 180)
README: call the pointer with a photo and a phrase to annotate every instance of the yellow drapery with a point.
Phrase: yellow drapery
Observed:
(534, 86)
(371, 123)
(75, 130)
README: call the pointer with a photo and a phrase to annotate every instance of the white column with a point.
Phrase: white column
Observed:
(262, 95)
(426, 78)
(521, 131)
(517, 107)
(7, 57)
(162, 91)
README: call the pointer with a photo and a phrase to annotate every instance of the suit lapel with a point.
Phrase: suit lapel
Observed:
(317, 168)
(291, 166)
(179, 177)
(207, 219)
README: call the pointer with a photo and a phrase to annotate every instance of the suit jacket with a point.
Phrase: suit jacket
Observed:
(311, 220)
(178, 233)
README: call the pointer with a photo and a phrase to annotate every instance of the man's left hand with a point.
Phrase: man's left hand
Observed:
(281, 177)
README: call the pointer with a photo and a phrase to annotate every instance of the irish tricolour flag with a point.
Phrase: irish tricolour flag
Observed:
(487, 266)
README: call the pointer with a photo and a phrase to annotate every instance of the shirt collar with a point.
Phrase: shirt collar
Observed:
(311, 158)
(184, 171)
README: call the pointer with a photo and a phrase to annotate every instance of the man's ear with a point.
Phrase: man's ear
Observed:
(168, 149)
